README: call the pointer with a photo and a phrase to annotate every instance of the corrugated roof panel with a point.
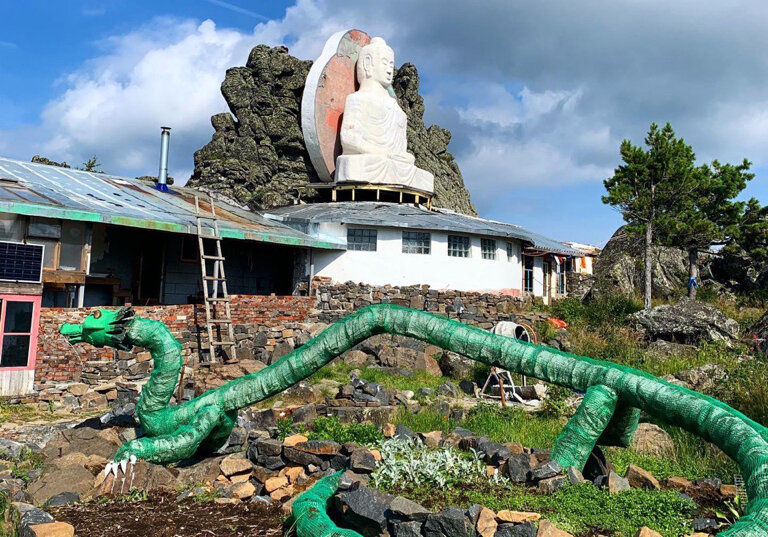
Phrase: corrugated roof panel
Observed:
(42, 190)
(414, 217)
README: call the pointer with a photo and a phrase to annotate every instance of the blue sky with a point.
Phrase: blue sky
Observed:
(538, 95)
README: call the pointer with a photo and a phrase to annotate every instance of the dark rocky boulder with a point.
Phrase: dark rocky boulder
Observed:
(687, 322)
(257, 157)
(759, 333)
(619, 268)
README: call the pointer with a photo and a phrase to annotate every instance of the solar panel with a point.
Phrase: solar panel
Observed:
(21, 262)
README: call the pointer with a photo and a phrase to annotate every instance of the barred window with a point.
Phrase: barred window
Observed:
(488, 248)
(510, 251)
(527, 274)
(361, 239)
(416, 242)
(458, 246)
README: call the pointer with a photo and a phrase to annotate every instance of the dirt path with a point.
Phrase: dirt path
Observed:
(163, 516)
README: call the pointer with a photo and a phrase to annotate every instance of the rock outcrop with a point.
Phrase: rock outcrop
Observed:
(687, 322)
(258, 157)
(619, 268)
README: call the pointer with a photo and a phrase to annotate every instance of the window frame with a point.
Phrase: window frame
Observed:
(528, 274)
(510, 251)
(489, 255)
(560, 274)
(369, 232)
(425, 236)
(34, 327)
(452, 248)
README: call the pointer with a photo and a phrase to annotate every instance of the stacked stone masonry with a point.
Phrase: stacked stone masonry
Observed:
(266, 328)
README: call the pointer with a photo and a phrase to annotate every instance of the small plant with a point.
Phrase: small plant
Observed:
(284, 428)
(332, 429)
(555, 405)
(410, 461)
(732, 511)
(9, 523)
(25, 464)
(134, 495)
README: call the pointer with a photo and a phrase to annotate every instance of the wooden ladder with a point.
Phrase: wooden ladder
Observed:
(211, 298)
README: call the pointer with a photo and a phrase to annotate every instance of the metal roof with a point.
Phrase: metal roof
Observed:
(53, 192)
(382, 214)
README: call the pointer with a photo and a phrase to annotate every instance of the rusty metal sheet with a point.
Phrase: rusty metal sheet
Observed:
(42, 190)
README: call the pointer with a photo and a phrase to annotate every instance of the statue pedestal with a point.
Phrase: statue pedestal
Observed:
(382, 170)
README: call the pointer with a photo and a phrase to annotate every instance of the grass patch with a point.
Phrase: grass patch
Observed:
(693, 458)
(332, 429)
(9, 523)
(580, 510)
(499, 424)
(21, 413)
(23, 466)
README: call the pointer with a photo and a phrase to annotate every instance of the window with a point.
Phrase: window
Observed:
(363, 240)
(527, 274)
(18, 330)
(560, 268)
(488, 248)
(458, 246)
(416, 242)
(510, 251)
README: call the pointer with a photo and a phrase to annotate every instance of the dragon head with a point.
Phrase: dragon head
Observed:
(102, 328)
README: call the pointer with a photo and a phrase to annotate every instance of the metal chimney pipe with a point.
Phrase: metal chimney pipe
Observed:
(162, 176)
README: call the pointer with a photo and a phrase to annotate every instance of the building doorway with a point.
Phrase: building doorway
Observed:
(19, 322)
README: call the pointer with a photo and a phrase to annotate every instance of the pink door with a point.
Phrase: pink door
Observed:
(19, 322)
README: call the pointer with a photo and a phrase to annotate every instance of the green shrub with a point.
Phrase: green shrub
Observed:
(555, 405)
(605, 310)
(332, 429)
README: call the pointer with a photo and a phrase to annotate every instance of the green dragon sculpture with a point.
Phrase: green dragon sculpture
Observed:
(608, 415)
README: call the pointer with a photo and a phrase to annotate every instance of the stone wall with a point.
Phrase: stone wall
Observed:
(473, 308)
(261, 324)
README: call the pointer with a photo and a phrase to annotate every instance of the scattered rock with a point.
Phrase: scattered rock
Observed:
(616, 483)
(294, 439)
(401, 431)
(447, 389)
(705, 525)
(63, 498)
(518, 467)
(640, 478)
(52, 529)
(645, 531)
(365, 508)
(362, 461)
(517, 517)
(235, 465)
(486, 524)
(243, 490)
(652, 440)
(406, 509)
(547, 529)
(552, 484)
(680, 483)
(451, 522)
(545, 470)
(406, 529)
(516, 530)
(574, 475)
(432, 439)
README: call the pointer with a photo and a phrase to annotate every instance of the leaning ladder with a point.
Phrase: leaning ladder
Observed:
(211, 298)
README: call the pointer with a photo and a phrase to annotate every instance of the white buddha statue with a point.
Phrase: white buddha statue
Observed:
(373, 128)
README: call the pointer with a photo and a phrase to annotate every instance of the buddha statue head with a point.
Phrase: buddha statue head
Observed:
(376, 64)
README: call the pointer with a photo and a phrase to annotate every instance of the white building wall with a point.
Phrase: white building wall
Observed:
(538, 276)
(389, 265)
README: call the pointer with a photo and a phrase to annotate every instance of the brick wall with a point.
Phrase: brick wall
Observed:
(58, 361)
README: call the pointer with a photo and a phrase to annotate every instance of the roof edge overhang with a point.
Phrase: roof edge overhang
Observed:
(47, 211)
